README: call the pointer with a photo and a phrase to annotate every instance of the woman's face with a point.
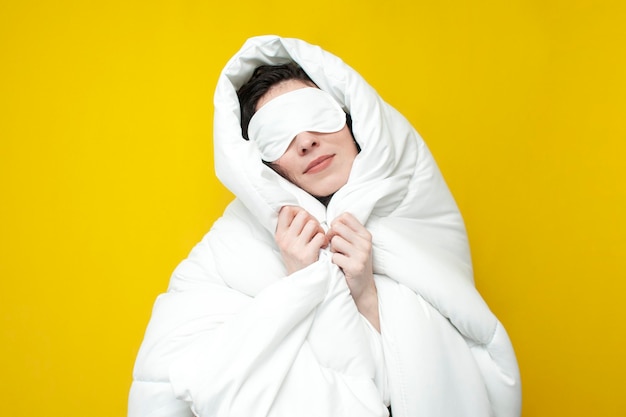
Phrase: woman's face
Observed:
(319, 163)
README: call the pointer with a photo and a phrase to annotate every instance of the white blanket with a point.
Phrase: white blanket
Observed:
(234, 336)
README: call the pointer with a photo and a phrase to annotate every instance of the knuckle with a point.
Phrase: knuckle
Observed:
(361, 262)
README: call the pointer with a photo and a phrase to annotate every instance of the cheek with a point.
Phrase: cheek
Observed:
(287, 162)
(285, 167)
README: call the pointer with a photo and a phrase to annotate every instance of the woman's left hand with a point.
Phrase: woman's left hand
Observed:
(351, 244)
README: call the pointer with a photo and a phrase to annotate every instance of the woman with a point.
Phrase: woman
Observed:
(338, 282)
(318, 160)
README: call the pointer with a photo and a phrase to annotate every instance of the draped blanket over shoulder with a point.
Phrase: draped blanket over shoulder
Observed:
(234, 335)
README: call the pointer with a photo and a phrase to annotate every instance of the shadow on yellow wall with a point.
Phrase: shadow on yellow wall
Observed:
(107, 179)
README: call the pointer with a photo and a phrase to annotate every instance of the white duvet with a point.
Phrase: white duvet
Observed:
(235, 336)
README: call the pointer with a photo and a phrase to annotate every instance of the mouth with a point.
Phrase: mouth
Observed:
(318, 164)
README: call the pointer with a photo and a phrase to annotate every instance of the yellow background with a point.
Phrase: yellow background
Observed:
(107, 179)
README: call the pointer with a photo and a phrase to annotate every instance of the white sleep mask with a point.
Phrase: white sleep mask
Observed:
(274, 125)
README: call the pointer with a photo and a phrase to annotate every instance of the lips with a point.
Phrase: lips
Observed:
(318, 164)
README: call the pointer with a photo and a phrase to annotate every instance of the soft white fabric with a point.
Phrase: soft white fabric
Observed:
(274, 125)
(234, 336)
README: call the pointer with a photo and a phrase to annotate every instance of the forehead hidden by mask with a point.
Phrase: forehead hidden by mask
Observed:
(273, 126)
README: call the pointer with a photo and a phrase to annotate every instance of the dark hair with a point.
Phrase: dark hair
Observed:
(263, 79)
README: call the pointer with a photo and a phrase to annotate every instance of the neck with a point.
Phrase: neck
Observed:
(325, 200)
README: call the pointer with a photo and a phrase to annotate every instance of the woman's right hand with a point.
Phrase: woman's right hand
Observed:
(299, 237)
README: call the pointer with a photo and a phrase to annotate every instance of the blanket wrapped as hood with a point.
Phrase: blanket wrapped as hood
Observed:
(235, 336)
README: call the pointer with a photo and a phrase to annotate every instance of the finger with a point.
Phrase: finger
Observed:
(319, 241)
(359, 250)
(345, 232)
(339, 245)
(320, 229)
(347, 219)
(299, 221)
(352, 231)
(285, 217)
(353, 223)
(341, 260)
(351, 263)
(310, 229)
(330, 234)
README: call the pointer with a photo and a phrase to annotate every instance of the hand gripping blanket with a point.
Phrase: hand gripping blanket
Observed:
(235, 336)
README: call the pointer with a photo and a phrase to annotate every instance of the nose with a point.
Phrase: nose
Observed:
(305, 142)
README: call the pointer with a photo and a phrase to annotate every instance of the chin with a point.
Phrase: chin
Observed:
(325, 192)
